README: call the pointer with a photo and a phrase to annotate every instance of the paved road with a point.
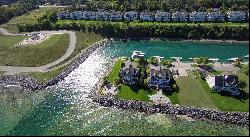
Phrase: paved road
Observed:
(11, 70)
(5, 32)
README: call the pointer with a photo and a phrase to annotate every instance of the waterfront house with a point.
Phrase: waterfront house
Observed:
(129, 73)
(131, 16)
(162, 16)
(147, 16)
(224, 83)
(103, 15)
(160, 77)
(215, 16)
(77, 15)
(197, 16)
(179, 16)
(115, 15)
(63, 15)
(236, 16)
(92, 15)
(85, 15)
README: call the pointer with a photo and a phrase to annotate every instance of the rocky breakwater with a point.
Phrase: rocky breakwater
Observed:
(31, 84)
(239, 118)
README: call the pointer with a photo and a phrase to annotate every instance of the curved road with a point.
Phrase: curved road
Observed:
(11, 70)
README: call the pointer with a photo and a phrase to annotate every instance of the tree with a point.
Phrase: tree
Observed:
(167, 63)
(153, 60)
(237, 62)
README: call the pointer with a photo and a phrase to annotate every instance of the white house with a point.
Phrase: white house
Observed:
(197, 16)
(77, 15)
(84, 15)
(146, 16)
(179, 16)
(236, 16)
(92, 15)
(162, 16)
(215, 16)
(130, 16)
(63, 15)
(104, 15)
(115, 15)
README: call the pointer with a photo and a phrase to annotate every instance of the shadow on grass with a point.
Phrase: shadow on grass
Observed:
(242, 97)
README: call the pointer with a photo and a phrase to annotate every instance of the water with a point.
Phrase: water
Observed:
(64, 109)
(183, 49)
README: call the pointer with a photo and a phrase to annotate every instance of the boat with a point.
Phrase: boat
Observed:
(213, 59)
(233, 59)
(176, 58)
(137, 54)
(247, 56)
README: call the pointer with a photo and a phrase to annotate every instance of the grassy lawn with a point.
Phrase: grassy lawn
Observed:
(1, 73)
(32, 56)
(155, 23)
(44, 77)
(134, 93)
(9, 41)
(192, 93)
(83, 40)
(115, 71)
(27, 18)
(227, 103)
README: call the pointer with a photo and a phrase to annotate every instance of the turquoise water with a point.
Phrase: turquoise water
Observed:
(183, 49)
(65, 109)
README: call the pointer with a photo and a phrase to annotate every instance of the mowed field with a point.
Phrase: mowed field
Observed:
(28, 18)
(196, 92)
(32, 56)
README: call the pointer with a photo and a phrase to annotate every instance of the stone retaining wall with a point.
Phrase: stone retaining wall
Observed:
(239, 118)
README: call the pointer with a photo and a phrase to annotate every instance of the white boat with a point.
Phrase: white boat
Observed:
(177, 58)
(233, 59)
(247, 56)
(213, 59)
(137, 54)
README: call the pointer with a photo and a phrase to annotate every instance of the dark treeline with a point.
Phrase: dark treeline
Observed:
(7, 12)
(157, 30)
(7, 2)
(152, 5)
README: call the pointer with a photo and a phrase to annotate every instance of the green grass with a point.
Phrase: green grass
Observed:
(115, 71)
(134, 92)
(196, 92)
(83, 40)
(1, 73)
(43, 77)
(9, 41)
(28, 18)
(33, 56)
(155, 23)
(227, 103)
(192, 93)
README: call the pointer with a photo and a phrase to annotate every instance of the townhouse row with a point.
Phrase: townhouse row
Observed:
(232, 16)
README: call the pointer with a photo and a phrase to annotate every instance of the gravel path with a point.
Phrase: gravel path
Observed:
(11, 70)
